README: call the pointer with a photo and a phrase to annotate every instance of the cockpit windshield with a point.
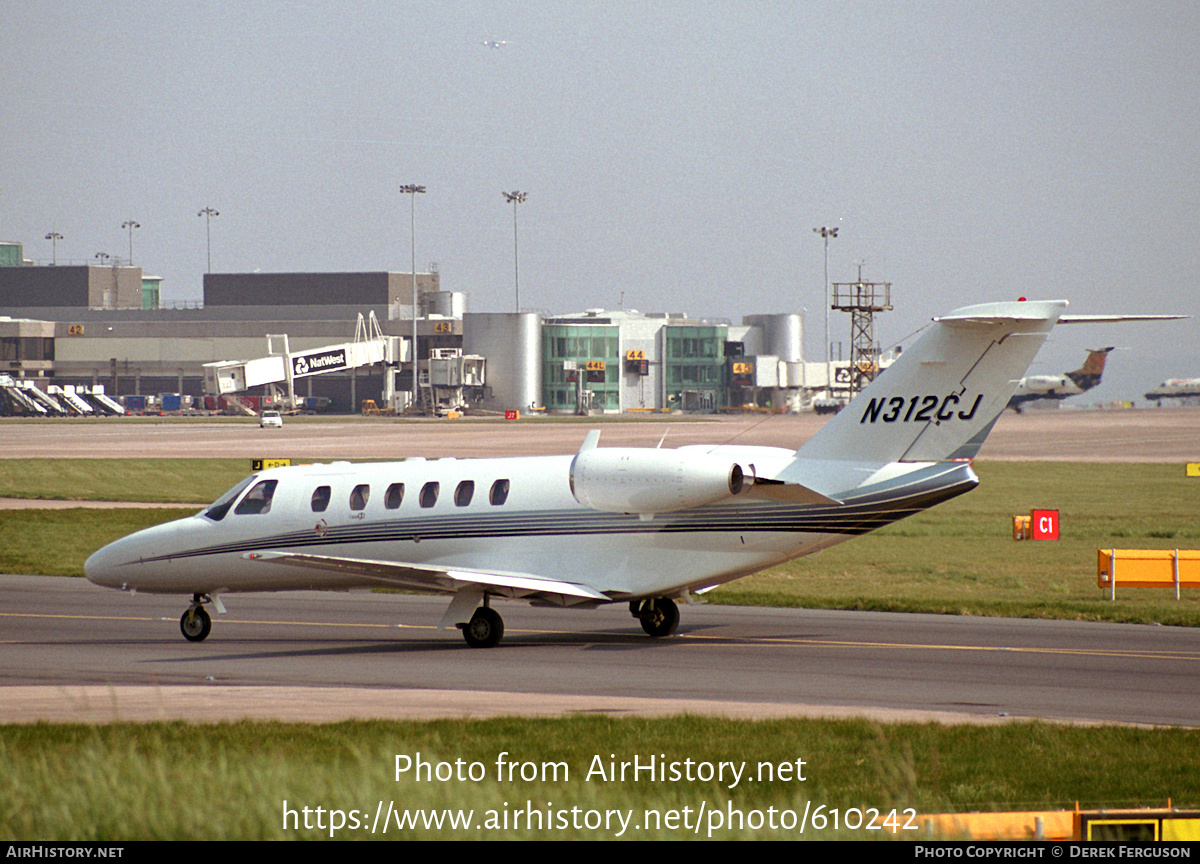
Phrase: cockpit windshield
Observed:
(221, 506)
(258, 499)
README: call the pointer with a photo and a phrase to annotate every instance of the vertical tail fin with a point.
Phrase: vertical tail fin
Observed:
(1093, 369)
(942, 397)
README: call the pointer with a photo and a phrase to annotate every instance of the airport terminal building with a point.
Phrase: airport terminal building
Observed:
(90, 325)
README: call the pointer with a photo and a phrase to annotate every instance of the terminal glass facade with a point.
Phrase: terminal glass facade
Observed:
(594, 344)
(150, 293)
(694, 367)
(12, 254)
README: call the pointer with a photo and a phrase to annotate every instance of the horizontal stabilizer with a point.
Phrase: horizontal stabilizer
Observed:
(1115, 319)
(986, 318)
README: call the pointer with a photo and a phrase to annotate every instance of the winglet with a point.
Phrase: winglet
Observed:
(590, 442)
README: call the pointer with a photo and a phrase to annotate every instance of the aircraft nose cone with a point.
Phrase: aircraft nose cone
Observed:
(104, 567)
(136, 562)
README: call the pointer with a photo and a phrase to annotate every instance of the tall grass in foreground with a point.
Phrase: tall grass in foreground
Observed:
(229, 781)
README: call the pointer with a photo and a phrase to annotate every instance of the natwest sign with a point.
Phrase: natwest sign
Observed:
(321, 361)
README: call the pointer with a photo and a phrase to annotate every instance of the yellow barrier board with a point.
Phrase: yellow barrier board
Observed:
(1055, 825)
(1124, 826)
(1181, 830)
(1148, 568)
(1193, 469)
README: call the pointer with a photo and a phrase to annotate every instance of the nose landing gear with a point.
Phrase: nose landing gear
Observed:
(196, 622)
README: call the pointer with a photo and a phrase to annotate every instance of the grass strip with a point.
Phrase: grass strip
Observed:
(57, 542)
(166, 481)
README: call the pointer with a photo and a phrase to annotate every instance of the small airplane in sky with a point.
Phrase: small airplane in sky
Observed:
(494, 43)
(642, 526)
(1034, 387)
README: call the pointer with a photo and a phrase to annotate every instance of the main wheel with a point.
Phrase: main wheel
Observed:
(195, 624)
(485, 628)
(659, 616)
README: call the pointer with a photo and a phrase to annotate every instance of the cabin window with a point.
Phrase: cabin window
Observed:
(320, 499)
(499, 493)
(221, 506)
(393, 496)
(360, 496)
(258, 499)
(464, 493)
(429, 494)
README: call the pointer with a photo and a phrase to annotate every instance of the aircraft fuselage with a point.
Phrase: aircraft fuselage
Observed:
(520, 518)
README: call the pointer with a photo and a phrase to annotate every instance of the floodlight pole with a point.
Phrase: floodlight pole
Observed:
(130, 224)
(826, 233)
(208, 213)
(514, 198)
(412, 191)
(54, 237)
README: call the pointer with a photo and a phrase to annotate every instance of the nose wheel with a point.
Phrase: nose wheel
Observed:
(196, 622)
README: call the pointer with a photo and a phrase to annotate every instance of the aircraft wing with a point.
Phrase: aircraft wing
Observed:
(448, 580)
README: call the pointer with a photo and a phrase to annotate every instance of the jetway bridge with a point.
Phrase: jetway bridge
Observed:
(283, 367)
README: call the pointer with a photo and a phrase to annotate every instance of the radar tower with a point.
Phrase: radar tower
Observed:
(862, 300)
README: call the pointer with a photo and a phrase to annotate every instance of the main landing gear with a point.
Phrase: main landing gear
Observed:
(485, 629)
(659, 615)
(196, 623)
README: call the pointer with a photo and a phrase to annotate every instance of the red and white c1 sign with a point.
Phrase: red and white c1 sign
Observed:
(1043, 524)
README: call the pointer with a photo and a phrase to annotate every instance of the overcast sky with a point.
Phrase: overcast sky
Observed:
(676, 153)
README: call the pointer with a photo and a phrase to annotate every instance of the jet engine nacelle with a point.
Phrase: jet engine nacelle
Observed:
(640, 480)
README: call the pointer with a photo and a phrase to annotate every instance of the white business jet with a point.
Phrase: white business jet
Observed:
(605, 525)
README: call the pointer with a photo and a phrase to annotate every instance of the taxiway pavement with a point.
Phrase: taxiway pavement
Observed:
(72, 651)
(1146, 435)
